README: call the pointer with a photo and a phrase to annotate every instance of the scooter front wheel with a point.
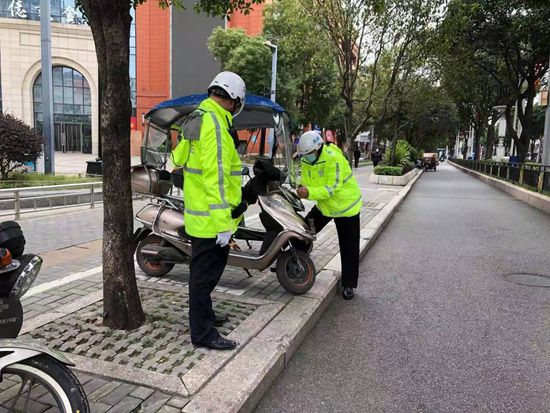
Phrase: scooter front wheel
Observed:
(42, 377)
(294, 278)
(150, 267)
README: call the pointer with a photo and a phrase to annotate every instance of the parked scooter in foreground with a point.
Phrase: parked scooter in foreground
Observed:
(31, 369)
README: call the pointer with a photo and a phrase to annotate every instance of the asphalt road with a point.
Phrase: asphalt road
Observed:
(435, 327)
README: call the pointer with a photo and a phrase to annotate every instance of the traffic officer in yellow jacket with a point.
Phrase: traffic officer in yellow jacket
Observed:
(327, 179)
(212, 190)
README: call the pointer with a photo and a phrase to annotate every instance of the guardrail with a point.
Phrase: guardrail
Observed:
(38, 198)
(531, 176)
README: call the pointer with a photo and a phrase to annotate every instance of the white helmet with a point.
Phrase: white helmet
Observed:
(309, 142)
(233, 84)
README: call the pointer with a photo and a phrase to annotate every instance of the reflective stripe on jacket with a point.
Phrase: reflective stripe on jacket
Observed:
(331, 183)
(212, 171)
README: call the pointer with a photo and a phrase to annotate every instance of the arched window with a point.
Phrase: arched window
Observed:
(72, 109)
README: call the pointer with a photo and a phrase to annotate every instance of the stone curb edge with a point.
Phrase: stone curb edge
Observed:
(534, 199)
(239, 387)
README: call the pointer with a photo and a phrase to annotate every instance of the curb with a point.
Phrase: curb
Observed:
(534, 199)
(241, 384)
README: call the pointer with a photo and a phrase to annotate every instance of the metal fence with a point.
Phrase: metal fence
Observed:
(532, 176)
(18, 201)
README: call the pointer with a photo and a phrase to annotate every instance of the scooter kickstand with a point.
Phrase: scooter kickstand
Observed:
(248, 272)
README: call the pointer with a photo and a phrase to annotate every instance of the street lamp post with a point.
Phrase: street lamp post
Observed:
(273, 68)
(273, 86)
(47, 86)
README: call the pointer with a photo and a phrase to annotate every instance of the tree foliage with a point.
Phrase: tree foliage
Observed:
(245, 55)
(503, 45)
(18, 144)
(308, 66)
(364, 36)
(306, 72)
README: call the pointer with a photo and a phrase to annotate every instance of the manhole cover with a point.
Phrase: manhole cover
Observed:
(532, 280)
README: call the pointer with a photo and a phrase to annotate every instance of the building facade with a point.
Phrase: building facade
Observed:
(75, 74)
(169, 57)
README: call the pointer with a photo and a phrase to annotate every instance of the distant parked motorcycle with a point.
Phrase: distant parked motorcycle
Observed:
(31, 370)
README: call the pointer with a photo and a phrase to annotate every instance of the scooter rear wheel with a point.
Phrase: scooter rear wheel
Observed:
(150, 267)
(290, 276)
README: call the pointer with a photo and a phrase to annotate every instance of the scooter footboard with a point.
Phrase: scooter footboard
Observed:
(254, 261)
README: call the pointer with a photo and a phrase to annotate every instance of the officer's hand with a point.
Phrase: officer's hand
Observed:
(224, 238)
(302, 192)
(241, 209)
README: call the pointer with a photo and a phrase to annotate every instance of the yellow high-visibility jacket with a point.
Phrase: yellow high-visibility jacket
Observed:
(331, 183)
(212, 171)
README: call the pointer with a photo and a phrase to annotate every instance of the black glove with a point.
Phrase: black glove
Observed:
(249, 193)
(241, 209)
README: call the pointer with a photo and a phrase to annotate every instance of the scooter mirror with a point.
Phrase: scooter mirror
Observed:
(245, 171)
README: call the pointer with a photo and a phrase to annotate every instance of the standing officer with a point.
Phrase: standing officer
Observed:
(212, 189)
(327, 178)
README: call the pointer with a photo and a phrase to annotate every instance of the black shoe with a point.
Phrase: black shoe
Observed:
(348, 293)
(220, 320)
(220, 343)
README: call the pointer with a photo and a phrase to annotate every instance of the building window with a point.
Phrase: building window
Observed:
(62, 11)
(72, 110)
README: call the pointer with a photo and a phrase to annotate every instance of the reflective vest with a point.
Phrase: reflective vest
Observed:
(331, 183)
(211, 169)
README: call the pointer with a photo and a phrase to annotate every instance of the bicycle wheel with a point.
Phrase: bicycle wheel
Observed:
(42, 383)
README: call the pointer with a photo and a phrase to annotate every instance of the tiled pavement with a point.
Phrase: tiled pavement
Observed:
(68, 332)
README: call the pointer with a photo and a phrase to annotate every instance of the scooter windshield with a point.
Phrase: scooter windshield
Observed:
(156, 146)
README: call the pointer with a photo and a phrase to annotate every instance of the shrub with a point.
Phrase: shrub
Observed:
(402, 149)
(18, 144)
(407, 164)
(413, 155)
(388, 170)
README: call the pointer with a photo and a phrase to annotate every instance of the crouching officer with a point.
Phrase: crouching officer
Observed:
(212, 190)
(327, 179)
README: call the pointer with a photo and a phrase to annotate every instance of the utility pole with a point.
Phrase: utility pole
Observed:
(47, 87)
(546, 140)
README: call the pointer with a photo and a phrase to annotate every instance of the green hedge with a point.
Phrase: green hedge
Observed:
(388, 170)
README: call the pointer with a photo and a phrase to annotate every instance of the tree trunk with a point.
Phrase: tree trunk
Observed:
(511, 134)
(491, 136)
(526, 118)
(348, 127)
(478, 131)
(110, 23)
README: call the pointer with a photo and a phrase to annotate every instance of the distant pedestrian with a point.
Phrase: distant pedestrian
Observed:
(327, 179)
(376, 157)
(356, 156)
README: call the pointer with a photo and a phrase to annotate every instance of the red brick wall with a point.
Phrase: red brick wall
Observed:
(153, 57)
(252, 23)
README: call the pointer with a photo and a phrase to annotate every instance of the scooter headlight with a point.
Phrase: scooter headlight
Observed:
(27, 277)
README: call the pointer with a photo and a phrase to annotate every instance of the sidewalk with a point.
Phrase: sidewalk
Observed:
(155, 368)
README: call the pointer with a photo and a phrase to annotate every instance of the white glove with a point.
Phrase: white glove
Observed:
(224, 238)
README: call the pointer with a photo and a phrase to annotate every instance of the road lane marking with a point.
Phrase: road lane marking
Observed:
(62, 281)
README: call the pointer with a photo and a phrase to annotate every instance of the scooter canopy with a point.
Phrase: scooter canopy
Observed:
(264, 130)
(257, 113)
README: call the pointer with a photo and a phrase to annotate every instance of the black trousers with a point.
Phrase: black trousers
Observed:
(356, 162)
(348, 230)
(208, 261)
